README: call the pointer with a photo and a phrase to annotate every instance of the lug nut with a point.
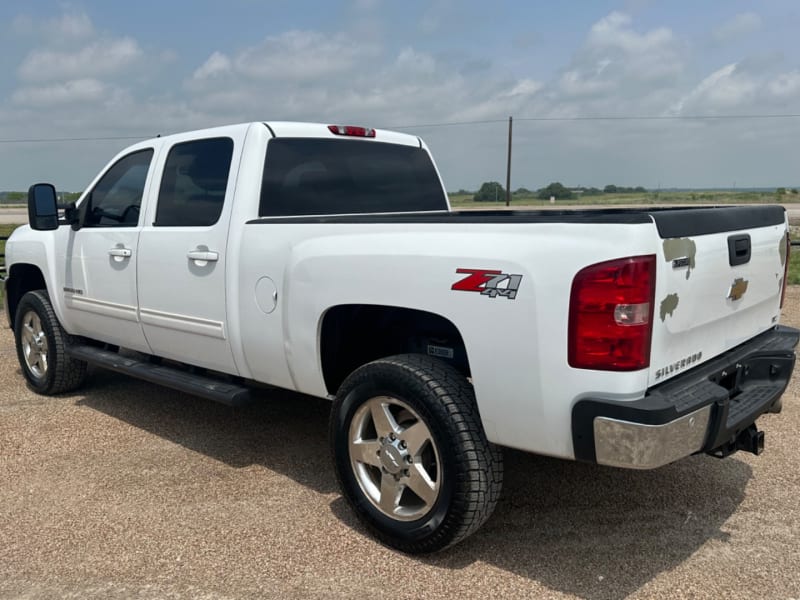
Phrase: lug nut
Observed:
(403, 444)
(392, 437)
(405, 472)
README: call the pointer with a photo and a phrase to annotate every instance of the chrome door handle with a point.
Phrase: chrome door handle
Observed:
(203, 255)
(120, 252)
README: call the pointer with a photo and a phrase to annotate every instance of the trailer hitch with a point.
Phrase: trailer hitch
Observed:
(750, 440)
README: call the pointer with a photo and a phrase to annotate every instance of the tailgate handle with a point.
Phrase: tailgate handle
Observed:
(739, 249)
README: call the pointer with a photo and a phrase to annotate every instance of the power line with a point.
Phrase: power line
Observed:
(448, 124)
(663, 117)
(462, 123)
(611, 118)
(75, 139)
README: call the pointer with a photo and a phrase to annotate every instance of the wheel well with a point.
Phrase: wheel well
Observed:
(355, 334)
(22, 278)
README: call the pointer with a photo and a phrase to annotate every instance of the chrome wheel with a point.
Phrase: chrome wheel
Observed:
(394, 458)
(34, 344)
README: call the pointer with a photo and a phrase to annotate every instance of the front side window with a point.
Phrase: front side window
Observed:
(116, 199)
(193, 185)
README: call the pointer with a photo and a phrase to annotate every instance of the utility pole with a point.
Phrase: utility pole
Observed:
(508, 166)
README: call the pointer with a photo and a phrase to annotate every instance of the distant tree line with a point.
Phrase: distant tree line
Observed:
(22, 197)
(493, 191)
(13, 197)
(619, 189)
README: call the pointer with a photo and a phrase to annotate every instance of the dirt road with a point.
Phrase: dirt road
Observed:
(126, 490)
(13, 216)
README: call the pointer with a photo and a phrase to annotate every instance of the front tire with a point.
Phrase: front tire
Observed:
(411, 455)
(41, 347)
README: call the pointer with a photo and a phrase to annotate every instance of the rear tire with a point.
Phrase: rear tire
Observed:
(41, 347)
(411, 455)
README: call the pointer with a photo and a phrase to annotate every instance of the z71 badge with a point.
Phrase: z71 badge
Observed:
(488, 282)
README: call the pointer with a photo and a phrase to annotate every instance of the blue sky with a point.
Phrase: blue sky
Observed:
(111, 69)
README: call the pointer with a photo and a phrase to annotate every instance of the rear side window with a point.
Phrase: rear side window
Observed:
(117, 197)
(193, 185)
(325, 177)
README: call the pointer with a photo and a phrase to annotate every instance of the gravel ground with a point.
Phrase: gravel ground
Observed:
(126, 490)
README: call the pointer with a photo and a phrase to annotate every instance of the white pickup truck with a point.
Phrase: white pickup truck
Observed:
(326, 259)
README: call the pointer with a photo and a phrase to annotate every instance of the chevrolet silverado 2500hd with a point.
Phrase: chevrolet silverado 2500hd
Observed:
(326, 259)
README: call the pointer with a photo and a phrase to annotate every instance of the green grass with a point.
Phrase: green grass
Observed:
(793, 277)
(654, 198)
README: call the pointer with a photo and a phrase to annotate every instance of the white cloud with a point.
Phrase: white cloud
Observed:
(103, 83)
(71, 26)
(510, 100)
(786, 85)
(525, 87)
(614, 31)
(619, 70)
(435, 16)
(301, 56)
(217, 64)
(574, 84)
(413, 62)
(59, 94)
(740, 25)
(724, 89)
(99, 58)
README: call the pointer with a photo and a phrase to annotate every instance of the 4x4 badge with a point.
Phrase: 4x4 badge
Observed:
(488, 282)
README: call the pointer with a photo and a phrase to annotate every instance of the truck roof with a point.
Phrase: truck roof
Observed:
(294, 129)
(320, 130)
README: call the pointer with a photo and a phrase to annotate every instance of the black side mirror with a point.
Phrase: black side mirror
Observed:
(42, 207)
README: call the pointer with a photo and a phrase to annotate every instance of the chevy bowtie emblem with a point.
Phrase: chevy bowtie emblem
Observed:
(738, 288)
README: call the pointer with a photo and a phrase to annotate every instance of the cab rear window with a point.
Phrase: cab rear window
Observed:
(305, 176)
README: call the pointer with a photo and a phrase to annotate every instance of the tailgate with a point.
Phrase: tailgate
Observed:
(718, 282)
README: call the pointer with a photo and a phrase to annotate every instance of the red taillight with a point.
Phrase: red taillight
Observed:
(786, 267)
(352, 130)
(611, 315)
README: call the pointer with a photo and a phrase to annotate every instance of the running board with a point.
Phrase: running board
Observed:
(231, 394)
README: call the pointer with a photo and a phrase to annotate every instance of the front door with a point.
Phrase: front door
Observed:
(182, 301)
(99, 282)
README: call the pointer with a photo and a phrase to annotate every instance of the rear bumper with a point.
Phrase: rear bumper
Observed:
(706, 409)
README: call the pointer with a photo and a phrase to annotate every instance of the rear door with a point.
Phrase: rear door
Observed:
(719, 281)
(182, 252)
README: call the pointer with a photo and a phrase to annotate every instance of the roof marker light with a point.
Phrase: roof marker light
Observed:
(351, 130)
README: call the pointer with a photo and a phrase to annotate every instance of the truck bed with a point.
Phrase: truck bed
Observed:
(670, 221)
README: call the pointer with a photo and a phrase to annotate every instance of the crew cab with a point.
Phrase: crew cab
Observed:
(326, 259)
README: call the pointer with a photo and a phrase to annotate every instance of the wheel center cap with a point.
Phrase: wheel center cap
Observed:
(392, 459)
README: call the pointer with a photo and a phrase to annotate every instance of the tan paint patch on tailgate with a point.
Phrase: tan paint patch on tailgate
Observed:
(668, 306)
(675, 248)
(738, 289)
